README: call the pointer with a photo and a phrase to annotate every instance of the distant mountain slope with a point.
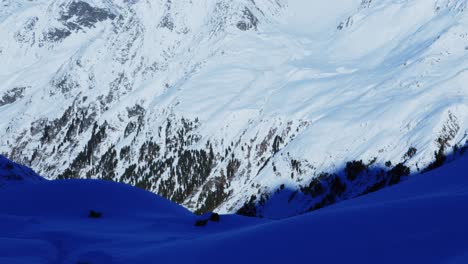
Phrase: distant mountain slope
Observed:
(422, 219)
(220, 104)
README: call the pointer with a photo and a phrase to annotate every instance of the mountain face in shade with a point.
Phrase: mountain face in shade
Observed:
(91, 221)
(235, 105)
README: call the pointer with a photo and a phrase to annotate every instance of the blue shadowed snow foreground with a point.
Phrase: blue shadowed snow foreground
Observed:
(422, 220)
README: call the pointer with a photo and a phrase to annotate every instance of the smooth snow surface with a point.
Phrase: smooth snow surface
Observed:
(422, 220)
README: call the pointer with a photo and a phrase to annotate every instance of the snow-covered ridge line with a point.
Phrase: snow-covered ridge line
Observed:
(209, 103)
(12, 173)
(93, 221)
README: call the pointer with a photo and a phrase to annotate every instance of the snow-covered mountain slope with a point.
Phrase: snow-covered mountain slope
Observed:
(422, 219)
(220, 104)
(12, 173)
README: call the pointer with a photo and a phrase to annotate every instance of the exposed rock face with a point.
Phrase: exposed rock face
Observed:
(80, 14)
(12, 95)
(76, 16)
(234, 105)
(248, 21)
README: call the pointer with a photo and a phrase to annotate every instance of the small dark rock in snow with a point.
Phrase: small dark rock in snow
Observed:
(94, 214)
(201, 222)
(9, 166)
(214, 217)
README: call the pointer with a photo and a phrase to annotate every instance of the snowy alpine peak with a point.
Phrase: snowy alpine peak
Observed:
(221, 105)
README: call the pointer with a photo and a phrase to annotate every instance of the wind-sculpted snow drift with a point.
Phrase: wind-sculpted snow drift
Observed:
(422, 219)
(219, 104)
